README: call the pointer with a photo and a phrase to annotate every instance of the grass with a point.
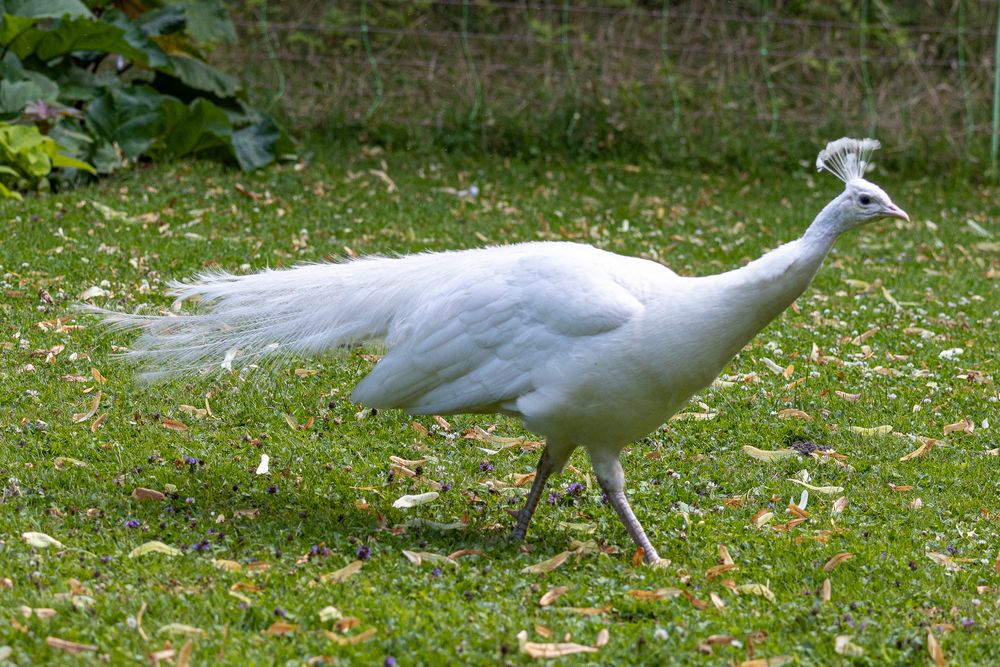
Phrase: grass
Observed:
(328, 495)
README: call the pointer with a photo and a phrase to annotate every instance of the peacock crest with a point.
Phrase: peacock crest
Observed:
(847, 158)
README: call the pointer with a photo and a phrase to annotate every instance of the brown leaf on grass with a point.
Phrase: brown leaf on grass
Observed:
(180, 629)
(547, 565)
(658, 594)
(797, 511)
(638, 556)
(223, 564)
(603, 636)
(851, 398)
(249, 513)
(407, 463)
(762, 517)
(832, 564)
(350, 639)
(139, 493)
(184, 657)
(934, 649)
(926, 445)
(68, 646)
(717, 600)
(543, 631)
(462, 553)
(174, 425)
(548, 651)
(901, 488)
(96, 424)
(281, 629)
(95, 402)
(716, 570)
(773, 661)
(964, 426)
(700, 605)
(948, 562)
(826, 590)
(792, 413)
(418, 557)
(342, 574)
(552, 595)
(858, 340)
(839, 505)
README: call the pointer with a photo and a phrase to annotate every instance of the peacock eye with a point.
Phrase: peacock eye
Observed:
(865, 200)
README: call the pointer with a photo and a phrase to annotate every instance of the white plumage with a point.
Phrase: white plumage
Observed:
(588, 348)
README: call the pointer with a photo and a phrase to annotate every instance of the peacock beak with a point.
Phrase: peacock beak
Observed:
(893, 211)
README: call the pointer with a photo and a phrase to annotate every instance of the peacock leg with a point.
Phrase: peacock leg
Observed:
(612, 480)
(546, 466)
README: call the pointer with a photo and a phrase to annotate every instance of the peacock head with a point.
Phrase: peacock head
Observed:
(862, 201)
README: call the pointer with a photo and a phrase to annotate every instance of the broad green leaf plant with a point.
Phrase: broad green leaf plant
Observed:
(112, 82)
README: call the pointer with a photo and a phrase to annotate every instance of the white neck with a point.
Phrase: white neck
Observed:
(745, 300)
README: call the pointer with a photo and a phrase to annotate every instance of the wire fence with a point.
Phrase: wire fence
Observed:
(922, 74)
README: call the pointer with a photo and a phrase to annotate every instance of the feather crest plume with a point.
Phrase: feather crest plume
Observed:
(847, 158)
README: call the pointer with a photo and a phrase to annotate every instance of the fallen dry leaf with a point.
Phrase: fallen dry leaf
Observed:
(901, 488)
(658, 594)
(281, 629)
(818, 489)
(934, 649)
(180, 629)
(418, 557)
(761, 590)
(547, 565)
(155, 546)
(139, 493)
(95, 402)
(769, 454)
(548, 651)
(842, 645)
(832, 564)
(603, 636)
(847, 397)
(964, 426)
(875, 430)
(224, 564)
(41, 540)
(839, 505)
(773, 661)
(68, 646)
(826, 590)
(343, 573)
(184, 657)
(174, 425)
(406, 502)
(350, 639)
(552, 595)
(926, 444)
(792, 413)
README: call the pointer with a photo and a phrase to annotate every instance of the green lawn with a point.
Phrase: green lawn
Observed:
(889, 301)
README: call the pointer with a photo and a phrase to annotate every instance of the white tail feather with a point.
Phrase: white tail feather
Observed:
(268, 316)
(847, 158)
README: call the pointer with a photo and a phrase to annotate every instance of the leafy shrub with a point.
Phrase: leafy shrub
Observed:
(119, 80)
(26, 158)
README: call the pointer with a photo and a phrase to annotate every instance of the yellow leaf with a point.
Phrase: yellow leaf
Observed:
(658, 594)
(94, 404)
(769, 454)
(547, 565)
(41, 540)
(937, 655)
(343, 573)
(926, 445)
(876, 430)
(154, 546)
(756, 589)
(548, 651)
(792, 413)
(818, 489)
(774, 661)
(68, 646)
(281, 628)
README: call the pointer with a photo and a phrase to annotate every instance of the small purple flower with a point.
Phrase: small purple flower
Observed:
(486, 466)
(133, 523)
(272, 490)
(191, 461)
(364, 553)
(446, 487)
(390, 662)
(391, 476)
(553, 498)
(951, 549)
(436, 572)
(967, 623)
(281, 613)
(574, 488)
(107, 559)
(189, 500)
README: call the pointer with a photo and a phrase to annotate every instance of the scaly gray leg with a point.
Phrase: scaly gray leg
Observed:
(612, 480)
(546, 466)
